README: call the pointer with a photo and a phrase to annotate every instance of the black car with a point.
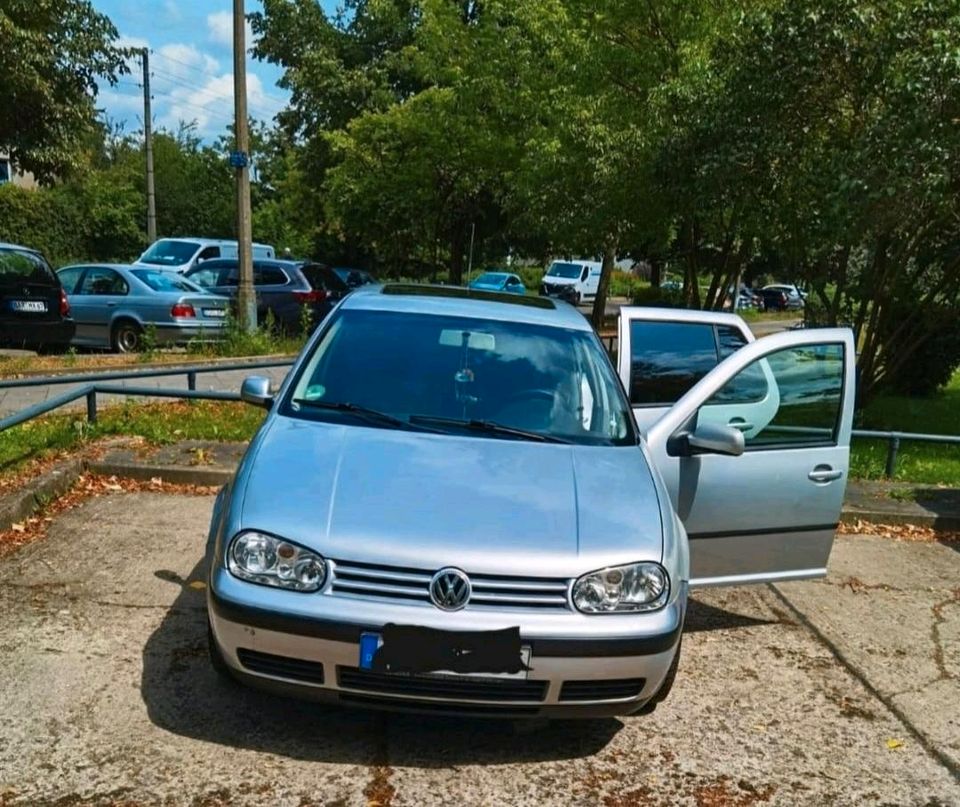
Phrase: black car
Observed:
(282, 287)
(774, 299)
(354, 277)
(34, 312)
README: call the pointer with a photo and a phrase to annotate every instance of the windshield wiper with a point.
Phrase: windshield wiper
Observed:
(487, 426)
(362, 411)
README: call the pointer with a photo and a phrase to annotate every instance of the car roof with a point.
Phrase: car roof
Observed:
(5, 245)
(465, 302)
(126, 266)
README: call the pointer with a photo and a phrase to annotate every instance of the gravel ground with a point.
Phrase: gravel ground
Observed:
(789, 696)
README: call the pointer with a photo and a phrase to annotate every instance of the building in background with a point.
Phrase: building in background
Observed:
(9, 173)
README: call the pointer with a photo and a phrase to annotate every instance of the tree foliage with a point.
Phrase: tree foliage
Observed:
(55, 54)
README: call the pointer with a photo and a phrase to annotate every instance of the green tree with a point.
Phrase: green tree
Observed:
(55, 53)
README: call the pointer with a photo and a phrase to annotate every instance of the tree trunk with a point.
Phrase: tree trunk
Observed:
(600, 301)
(456, 256)
(656, 272)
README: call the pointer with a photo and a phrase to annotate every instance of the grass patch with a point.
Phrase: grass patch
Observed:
(157, 423)
(922, 463)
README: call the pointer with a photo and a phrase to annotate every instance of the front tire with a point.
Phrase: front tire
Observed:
(127, 337)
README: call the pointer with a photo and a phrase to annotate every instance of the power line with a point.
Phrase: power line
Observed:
(185, 82)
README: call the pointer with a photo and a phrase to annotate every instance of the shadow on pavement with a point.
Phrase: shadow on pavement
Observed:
(703, 617)
(185, 696)
(944, 504)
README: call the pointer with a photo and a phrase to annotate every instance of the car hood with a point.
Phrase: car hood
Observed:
(556, 280)
(429, 500)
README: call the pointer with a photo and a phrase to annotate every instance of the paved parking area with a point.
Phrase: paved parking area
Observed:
(837, 692)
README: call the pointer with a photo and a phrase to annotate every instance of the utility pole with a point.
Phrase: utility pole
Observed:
(148, 149)
(240, 160)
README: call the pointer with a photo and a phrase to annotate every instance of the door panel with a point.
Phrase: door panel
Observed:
(769, 514)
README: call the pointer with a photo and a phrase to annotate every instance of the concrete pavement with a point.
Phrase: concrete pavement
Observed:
(837, 692)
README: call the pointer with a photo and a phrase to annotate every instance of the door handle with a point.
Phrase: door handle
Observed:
(823, 474)
(740, 423)
(111, 305)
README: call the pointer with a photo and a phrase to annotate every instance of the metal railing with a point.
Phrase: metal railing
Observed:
(91, 391)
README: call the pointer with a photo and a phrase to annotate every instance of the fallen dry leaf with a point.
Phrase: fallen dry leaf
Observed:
(893, 744)
(898, 532)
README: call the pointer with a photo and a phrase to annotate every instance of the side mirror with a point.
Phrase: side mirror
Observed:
(708, 438)
(255, 390)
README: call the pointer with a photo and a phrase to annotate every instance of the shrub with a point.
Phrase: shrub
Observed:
(652, 295)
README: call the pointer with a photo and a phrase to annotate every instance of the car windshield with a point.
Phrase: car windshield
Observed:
(491, 279)
(560, 269)
(170, 252)
(553, 382)
(164, 281)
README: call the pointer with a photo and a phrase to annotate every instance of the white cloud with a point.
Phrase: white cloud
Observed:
(211, 104)
(220, 29)
(172, 11)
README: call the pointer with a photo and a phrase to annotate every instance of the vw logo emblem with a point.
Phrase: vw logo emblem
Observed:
(450, 589)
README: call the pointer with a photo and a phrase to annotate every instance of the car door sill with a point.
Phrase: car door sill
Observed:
(759, 577)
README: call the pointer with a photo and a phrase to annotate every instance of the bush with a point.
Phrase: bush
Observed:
(652, 295)
(931, 367)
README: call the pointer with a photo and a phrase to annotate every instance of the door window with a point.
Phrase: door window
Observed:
(269, 276)
(667, 358)
(102, 281)
(584, 273)
(208, 253)
(69, 278)
(206, 276)
(803, 408)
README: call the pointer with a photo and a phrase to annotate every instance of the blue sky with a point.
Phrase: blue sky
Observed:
(191, 65)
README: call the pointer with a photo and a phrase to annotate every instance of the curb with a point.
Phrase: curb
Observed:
(945, 523)
(174, 474)
(38, 492)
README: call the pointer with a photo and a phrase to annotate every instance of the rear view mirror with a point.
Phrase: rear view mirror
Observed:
(475, 340)
(256, 391)
(707, 438)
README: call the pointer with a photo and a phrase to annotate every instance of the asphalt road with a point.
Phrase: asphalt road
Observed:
(783, 697)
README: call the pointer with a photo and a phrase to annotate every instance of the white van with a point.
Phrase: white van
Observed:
(181, 254)
(575, 281)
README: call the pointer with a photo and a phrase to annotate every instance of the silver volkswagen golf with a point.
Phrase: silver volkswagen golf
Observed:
(450, 507)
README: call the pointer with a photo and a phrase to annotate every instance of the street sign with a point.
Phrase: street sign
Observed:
(239, 159)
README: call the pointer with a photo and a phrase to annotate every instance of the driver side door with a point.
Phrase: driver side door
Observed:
(762, 505)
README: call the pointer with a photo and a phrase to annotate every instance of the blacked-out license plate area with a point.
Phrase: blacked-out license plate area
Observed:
(415, 649)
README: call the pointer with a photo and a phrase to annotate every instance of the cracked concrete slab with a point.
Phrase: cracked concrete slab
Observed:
(892, 611)
(108, 697)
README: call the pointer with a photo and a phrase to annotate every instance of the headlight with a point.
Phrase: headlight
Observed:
(271, 561)
(622, 589)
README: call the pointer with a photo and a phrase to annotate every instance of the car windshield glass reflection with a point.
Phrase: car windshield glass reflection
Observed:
(162, 281)
(560, 269)
(170, 253)
(550, 381)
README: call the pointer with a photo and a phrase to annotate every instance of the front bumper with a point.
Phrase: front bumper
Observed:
(317, 657)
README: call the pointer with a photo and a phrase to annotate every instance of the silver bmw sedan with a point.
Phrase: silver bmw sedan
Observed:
(449, 508)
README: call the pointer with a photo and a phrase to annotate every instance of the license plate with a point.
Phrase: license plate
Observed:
(30, 306)
(214, 312)
(370, 643)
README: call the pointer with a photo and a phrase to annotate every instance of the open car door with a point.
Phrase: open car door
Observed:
(763, 503)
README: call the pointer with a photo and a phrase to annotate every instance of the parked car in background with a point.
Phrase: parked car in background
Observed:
(354, 278)
(449, 506)
(792, 299)
(283, 288)
(116, 305)
(499, 281)
(575, 281)
(182, 254)
(34, 311)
